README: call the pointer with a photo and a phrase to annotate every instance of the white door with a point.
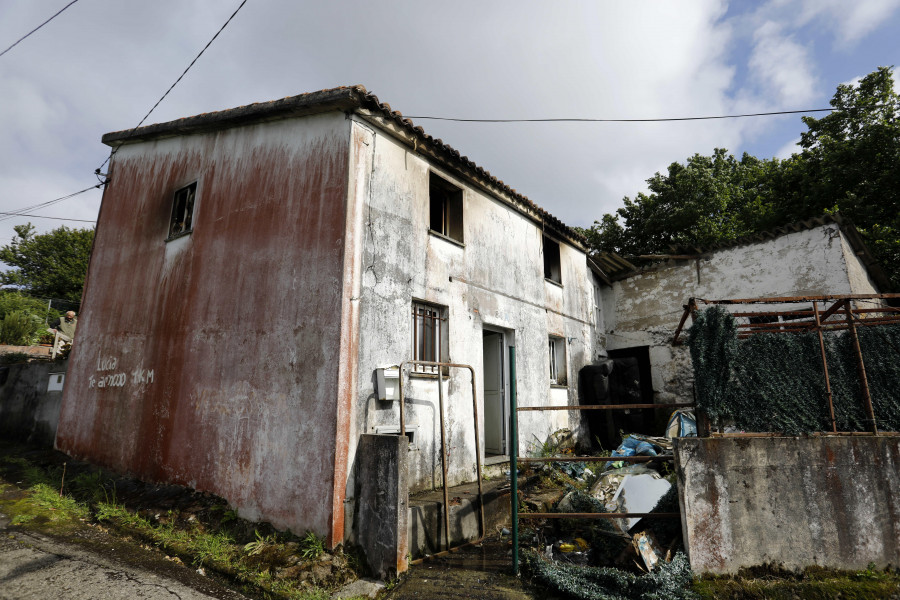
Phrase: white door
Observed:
(494, 427)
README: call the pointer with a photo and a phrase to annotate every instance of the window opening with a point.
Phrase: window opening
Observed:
(429, 335)
(446, 207)
(557, 361)
(552, 269)
(183, 211)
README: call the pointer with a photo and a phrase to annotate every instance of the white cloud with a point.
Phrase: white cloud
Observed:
(850, 21)
(792, 147)
(782, 66)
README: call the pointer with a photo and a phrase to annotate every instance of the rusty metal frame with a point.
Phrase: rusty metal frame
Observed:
(440, 379)
(813, 320)
(627, 459)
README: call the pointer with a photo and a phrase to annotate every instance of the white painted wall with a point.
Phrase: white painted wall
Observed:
(494, 280)
(644, 310)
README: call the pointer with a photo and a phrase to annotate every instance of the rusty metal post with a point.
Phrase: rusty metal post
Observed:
(861, 367)
(825, 367)
(481, 521)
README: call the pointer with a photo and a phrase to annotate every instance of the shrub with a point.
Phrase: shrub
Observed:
(19, 328)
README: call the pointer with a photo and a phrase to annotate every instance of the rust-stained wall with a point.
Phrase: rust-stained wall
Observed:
(214, 360)
(644, 309)
(828, 501)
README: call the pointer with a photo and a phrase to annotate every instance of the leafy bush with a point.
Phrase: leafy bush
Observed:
(19, 328)
(22, 330)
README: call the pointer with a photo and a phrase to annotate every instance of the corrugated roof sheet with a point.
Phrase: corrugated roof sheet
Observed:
(342, 98)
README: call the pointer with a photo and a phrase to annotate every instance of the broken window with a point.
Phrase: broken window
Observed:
(429, 335)
(552, 268)
(446, 208)
(558, 361)
(182, 211)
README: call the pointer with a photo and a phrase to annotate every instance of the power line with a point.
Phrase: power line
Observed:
(580, 120)
(21, 211)
(163, 97)
(39, 26)
(46, 217)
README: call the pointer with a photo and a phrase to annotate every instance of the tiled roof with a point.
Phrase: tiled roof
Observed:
(350, 98)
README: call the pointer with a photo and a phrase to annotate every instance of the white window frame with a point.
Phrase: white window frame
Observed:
(557, 361)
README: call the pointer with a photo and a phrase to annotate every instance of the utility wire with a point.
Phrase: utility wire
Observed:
(39, 26)
(22, 211)
(163, 97)
(46, 217)
(579, 120)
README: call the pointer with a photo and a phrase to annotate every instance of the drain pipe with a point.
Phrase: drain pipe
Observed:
(513, 460)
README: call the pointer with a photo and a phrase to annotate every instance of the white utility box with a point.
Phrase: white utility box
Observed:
(387, 383)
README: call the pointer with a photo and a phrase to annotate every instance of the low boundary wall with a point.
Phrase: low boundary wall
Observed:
(832, 501)
(30, 401)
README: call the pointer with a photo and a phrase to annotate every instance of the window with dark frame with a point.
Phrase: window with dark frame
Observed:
(181, 222)
(429, 335)
(558, 369)
(446, 208)
(552, 266)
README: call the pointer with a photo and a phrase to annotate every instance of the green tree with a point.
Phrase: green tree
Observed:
(849, 162)
(48, 265)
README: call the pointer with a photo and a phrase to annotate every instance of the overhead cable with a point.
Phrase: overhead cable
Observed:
(21, 211)
(587, 120)
(38, 27)
(46, 217)
(163, 97)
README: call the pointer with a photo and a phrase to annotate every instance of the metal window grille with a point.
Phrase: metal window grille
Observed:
(428, 322)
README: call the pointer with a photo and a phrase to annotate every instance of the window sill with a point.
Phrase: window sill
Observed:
(179, 235)
(556, 283)
(420, 375)
(446, 238)
(559, 386)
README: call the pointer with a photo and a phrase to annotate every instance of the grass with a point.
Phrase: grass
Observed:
(813, 583)
(88, 498)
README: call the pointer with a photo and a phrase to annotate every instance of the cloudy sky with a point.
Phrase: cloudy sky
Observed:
(101, 64)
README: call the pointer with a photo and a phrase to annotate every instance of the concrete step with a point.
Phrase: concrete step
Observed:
(426, 517)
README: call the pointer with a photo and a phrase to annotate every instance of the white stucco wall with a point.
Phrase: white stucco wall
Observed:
(644, 310)
(495, 280)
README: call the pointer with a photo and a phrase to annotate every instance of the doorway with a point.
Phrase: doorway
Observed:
(494, 379)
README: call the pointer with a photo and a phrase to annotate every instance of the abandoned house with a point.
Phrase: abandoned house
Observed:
(643, 308)
(253, 269)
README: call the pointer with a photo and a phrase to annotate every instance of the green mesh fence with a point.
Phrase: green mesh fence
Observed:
(774, 382)
(671, 581)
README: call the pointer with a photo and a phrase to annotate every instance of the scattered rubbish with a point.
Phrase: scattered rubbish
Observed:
(682, 424)
(647, 548)
(638, 494)
(606, 486)
(633, 445)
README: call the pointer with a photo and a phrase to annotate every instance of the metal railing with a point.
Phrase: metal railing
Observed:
(515, 515)
(439, 368)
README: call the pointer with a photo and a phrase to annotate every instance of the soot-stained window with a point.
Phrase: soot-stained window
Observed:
(182, 221)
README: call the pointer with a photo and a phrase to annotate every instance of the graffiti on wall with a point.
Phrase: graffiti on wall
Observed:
(108, 375)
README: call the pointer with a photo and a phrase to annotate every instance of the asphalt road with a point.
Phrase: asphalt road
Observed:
(33, 566)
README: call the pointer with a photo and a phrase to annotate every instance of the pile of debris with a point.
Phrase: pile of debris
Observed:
(633, 544)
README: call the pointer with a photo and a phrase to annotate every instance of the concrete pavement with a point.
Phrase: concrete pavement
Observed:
(36, 567)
